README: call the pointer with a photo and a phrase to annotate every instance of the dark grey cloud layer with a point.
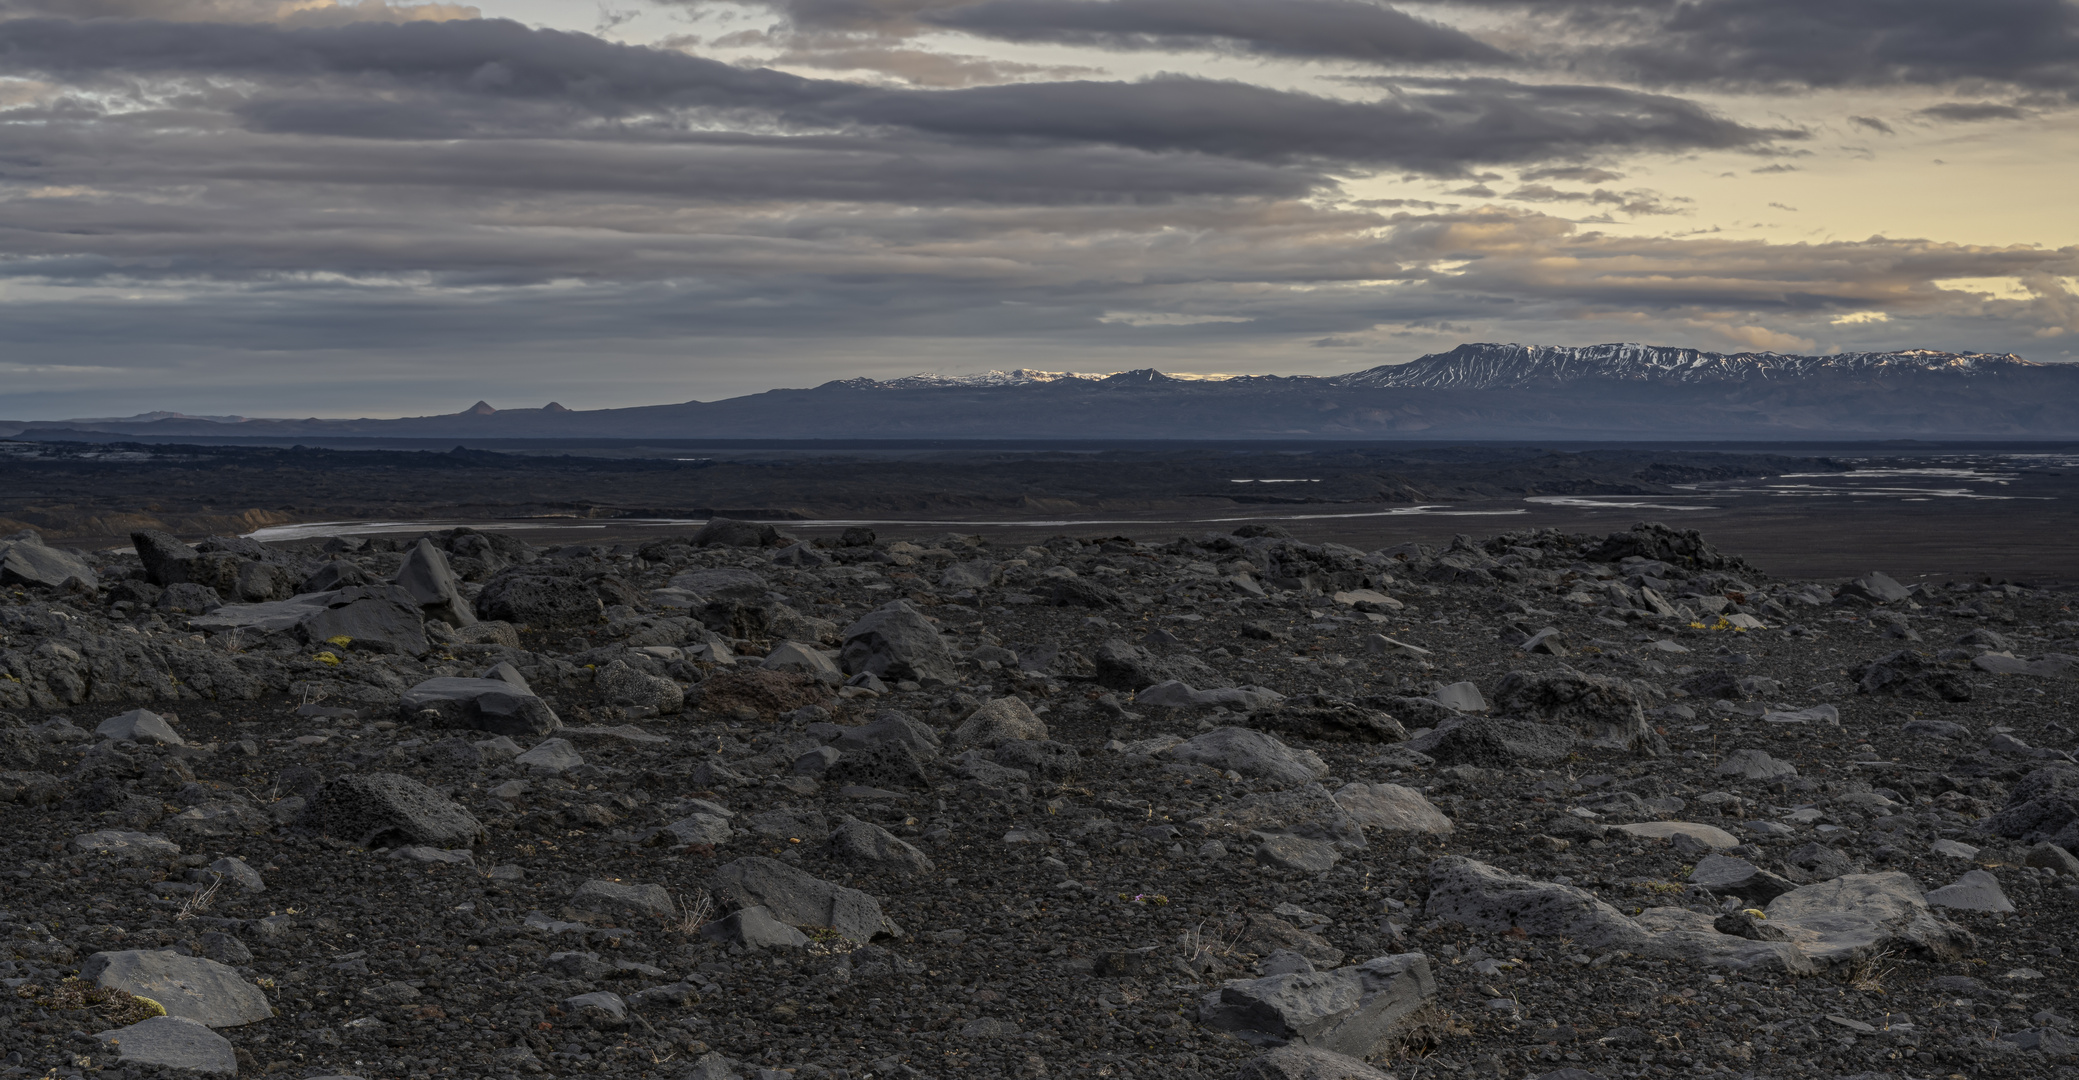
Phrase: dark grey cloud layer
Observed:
(496, 77)
(1817, 43)
(1432, 125)
(188, 203)
(1314, 29)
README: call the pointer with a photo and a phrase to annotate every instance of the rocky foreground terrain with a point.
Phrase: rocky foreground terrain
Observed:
(1234, 806)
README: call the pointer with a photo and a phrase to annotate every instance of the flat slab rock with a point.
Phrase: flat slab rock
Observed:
(1392, 809)
(1855, 916)
(492, 705)
(1977, 890)
(385, 809)
(1708, 835)
(173, 1042)
(123, 843)
(1249, 753)
(1848, 918)
(799, 899)
(185, 986)
(1354, 1011)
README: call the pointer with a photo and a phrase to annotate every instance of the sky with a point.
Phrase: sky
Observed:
(325, 208)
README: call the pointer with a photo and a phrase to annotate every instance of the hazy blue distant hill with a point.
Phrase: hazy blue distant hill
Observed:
(1471, 392)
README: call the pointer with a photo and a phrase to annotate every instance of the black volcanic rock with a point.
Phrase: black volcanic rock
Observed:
(1006, 871)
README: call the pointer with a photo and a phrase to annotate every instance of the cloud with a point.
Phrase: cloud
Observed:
(1582, 174)
(919, 67)
(290, 12)
(1637, 201)
(489, 59)
(1968, 112)
(196, 198)
(1306, 29)
(1871, 123)
(796, 286)
(493, 77)
(1437, 126)
(1779, 167)
(1798, 43)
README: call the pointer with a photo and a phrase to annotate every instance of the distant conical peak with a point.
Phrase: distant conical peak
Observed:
(554, 406)
(481, 408)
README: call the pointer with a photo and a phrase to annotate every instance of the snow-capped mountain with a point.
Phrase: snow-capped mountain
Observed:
(1486, 367)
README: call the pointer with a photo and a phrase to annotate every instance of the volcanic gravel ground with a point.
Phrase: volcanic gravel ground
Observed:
(1070, 911)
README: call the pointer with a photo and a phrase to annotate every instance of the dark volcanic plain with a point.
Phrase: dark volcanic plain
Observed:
(2015, 523)
(1079, 807)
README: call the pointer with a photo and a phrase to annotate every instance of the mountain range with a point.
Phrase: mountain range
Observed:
(1482, 391)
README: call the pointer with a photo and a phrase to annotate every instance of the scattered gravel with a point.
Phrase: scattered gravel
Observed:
(1620, 805)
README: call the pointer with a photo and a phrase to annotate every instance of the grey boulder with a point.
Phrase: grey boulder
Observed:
(729, 532)
(124, 844)
(139, 726)
(24, 560)
(539, 598)
(601, 1008)
(551, 756)
(1354, 1011)
(2053, 858)
(700, 829)
(1481, 897)
(998, 721)
(723, 583)
(1977, 890)
(798, 899)
(1250, 753)
(622, 898)
(1601, 710)
(1754, 765)
(2042, 808)
(166, 559)
(431, 583)
(1297, 853)
(754, 927)
(897, 643)
(1494, 743)
(388, 810)
(1171, 694)
(1910, 674)
(891, 727)
(175, 1043)
(185, 986)
(620, 684)
(1876, 587)
(794, 656)
(1856, 916)
(375, 618)
(1307, 811)
(1727, 875)
(858, 841)
(1392, 809)
(492, 705)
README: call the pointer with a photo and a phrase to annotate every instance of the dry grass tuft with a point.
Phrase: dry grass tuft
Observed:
(117, 1007)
